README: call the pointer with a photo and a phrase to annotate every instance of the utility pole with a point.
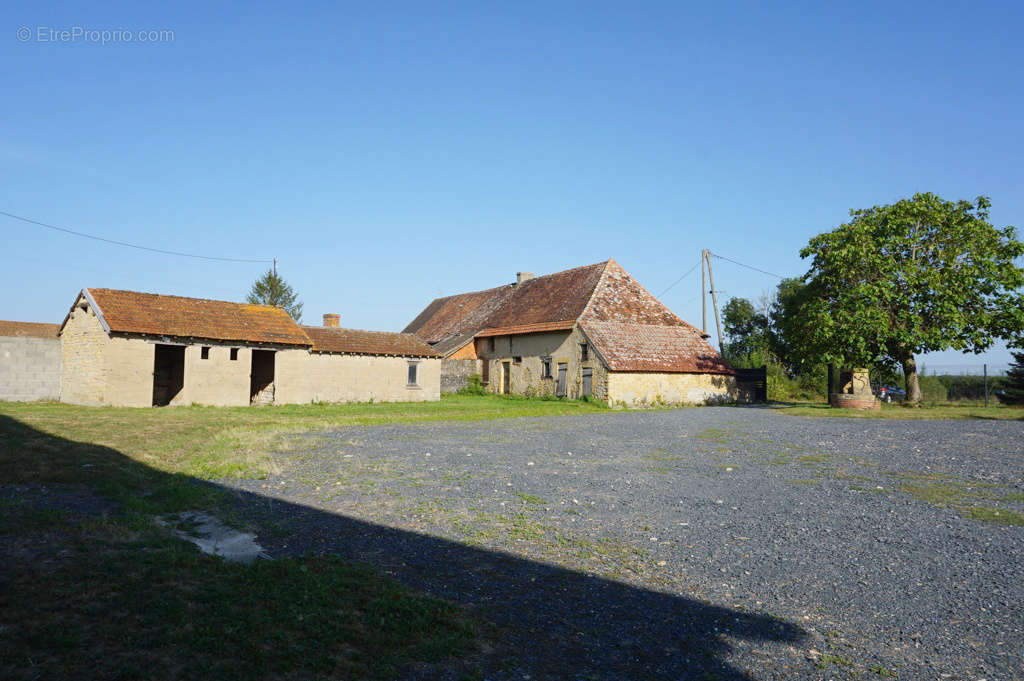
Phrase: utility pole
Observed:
(986, 383)
(714, 300)
(275, 267)
(703, 293)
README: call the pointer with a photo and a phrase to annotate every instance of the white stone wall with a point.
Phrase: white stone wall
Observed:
(651, 389)
(83, 375)
(29, 368)
(302, 377)
(218, 380)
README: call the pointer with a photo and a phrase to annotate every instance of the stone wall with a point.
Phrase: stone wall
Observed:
(302, 377)
(217, 380)
(649, 389)
(83, 375)
(29, 368)
(563, 347)
(455, 373)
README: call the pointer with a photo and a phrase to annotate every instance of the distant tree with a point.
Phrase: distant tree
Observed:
(1013, 383)
(920, 275)
(746, 328)
(272, 289)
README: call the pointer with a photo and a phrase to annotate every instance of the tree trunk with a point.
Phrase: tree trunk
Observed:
(913, 387)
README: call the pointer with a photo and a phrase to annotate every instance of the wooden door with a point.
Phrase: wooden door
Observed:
(506, 377)
(563, 370)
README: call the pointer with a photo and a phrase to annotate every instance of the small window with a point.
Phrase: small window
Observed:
(545, 367)
(412, 373)
(584, 352)
(234, 354)
(205, 352)
(517, 360)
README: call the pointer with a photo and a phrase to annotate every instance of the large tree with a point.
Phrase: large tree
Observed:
(272, 289)
(920, 275)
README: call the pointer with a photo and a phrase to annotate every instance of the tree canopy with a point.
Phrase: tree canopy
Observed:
(272, 289)
(920, 275)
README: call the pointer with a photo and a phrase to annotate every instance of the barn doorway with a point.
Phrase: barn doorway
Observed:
(588, 383)
(168, 373)
(506, 377)
(261, 378)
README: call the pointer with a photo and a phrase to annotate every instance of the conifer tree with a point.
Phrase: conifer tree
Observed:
(272, 289)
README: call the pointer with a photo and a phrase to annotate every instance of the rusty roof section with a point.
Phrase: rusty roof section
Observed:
(28, 329)
(552, 298)
(630, 346)
(527, 328)
(159, 315)
(357, 342)
(458, 315)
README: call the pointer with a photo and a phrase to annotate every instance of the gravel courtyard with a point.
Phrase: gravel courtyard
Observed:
(705, 543)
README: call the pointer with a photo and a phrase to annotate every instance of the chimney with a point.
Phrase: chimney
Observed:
(332, 320)
(523, 276)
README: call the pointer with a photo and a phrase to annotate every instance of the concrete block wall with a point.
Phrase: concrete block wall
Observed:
(29, 369)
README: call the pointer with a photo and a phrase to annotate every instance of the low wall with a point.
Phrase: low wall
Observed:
(455, 373)
(649, 389)
(29, 368)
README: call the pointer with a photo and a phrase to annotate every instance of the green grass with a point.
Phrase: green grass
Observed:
(893, 411)
(122, 603)
(114, 596)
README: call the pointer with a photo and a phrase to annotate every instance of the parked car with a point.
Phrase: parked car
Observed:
(888, 393)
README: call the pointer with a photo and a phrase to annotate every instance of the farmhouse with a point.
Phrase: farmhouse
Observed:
(591, 330)
(125, 348)
(29, 361)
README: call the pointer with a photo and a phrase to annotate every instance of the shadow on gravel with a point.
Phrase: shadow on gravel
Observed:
(550, 622)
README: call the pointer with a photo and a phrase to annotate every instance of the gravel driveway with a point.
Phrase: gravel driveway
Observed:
(705, 543)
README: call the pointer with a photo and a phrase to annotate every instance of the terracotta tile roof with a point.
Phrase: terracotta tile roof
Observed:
(446, 322)
(632, 330)
(356, 342)
(28, 329)
(158, 315)
(629, 346)
(451, 344)
(527, 328)
(458, 315)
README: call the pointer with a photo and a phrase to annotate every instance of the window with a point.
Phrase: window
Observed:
(205, 352)
(545, 367)
(234, 354)
(517, 360)
(584, 352)
(412, 373)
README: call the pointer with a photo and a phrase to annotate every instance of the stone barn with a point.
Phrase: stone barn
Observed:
(588, 331)
(29, 361)
(124, 348)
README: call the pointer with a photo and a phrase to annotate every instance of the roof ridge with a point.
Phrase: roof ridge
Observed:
(171, 295)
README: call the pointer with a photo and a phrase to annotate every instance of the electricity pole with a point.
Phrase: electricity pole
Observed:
(714, 300)
(275, 267)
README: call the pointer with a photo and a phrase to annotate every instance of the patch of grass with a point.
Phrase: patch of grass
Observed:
(172, 612)
(532, 499)
(719, 435)
(993, 515)
(1001, 412)
(881, 671)
(827, 659)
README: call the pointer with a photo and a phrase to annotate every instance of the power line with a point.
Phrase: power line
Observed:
(749, 267)
(688, 273)
(128, 245)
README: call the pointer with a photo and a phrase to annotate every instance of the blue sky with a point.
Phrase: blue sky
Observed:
(387, 155)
